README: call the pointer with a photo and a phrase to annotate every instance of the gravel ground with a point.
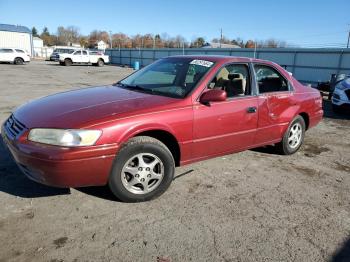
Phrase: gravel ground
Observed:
(250, 206)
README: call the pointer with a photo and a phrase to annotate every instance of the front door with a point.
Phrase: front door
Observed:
(77, 57)
(85, 57)
(228, 126)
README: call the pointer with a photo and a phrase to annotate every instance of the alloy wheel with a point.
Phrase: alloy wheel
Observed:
(142, 173)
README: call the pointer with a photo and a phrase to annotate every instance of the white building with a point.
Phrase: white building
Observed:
(38, 45)
(218, 45)
(15, 36)
(101, 45)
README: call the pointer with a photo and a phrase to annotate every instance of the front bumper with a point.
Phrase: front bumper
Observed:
(62, 167)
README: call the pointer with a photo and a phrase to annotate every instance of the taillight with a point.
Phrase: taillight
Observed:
(318, 101)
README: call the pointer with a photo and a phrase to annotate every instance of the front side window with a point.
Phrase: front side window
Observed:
(84, 53)
(234, 79)
(269, 79)
(173, 77)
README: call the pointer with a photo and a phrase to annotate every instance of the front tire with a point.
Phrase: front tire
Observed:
(293, 137)
(18, 61)
(142, 170)
(100, 62)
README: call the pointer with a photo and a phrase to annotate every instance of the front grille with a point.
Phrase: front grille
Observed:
(13, 127)
(347, 92)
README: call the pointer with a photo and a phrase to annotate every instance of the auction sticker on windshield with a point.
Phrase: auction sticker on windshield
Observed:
(201, 63)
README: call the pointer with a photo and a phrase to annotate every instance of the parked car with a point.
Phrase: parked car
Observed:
(176, 111)
(341, 96)
(14, 55)
(56, 53)
(83, 57)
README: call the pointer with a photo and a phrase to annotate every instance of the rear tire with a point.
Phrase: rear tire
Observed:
(143, 169)
(68, 62)
(18, 61)
(293, 138)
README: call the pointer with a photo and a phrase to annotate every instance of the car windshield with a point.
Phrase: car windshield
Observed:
(173, 77)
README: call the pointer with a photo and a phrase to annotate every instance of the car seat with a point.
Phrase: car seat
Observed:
(236, 85)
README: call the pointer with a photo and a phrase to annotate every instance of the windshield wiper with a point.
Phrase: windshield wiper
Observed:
(136, 88)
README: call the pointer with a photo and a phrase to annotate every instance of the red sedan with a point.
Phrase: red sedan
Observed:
(176, 111)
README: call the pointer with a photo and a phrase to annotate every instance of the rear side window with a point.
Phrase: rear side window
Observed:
(19, 51)
(77, 53)
(84, 53)
(270, 80)
(6, 50)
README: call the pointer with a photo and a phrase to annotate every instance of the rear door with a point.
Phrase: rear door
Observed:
(227, 126)
(276, 103)
(7, 55)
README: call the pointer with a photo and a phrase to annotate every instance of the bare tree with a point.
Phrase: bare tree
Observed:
(96, 36)
(68, 35)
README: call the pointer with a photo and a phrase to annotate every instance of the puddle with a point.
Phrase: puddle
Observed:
(307, 171)
(60, 242)
(312, 150)
(341, 167)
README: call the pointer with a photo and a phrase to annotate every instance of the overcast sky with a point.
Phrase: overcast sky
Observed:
(304, 23)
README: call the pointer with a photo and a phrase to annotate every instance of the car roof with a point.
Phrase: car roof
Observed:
(224, 59)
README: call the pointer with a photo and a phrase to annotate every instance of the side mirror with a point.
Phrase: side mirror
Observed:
(213, 95)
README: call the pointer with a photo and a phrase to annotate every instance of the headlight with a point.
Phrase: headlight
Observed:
(64, 137)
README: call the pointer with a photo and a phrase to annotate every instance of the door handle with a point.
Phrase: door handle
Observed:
(251, 109)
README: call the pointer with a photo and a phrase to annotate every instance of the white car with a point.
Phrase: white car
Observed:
(83, 57)
(14, 55)
(341, 96)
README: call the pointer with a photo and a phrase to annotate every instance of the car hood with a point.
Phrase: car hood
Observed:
(83, 107)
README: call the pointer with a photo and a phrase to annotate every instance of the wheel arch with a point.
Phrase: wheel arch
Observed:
(162, 134)
(18, 57)
(306, 118)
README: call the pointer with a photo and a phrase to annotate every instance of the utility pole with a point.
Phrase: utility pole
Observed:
(255, 48)
(347, 46)
(110, 38)
(220, 36)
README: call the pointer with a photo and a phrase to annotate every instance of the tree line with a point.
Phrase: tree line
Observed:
(71, 35)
